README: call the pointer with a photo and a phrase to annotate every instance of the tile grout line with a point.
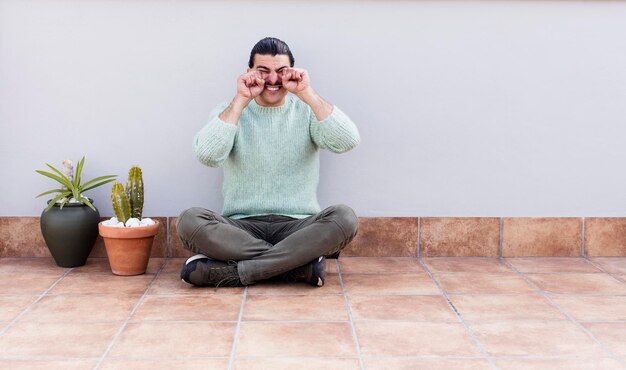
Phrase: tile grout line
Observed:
(233, 350)
(349, 309)
(261, 357)
(458, 315)
(419, 237)
(455, 321)
(582, 243)
(168, 247)
(605, 271)
(130, 315)
(432, 357)
(501, 229)
(569, 317)
(39, 298)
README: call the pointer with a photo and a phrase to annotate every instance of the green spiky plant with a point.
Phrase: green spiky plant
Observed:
(71, 187)
(128, 203)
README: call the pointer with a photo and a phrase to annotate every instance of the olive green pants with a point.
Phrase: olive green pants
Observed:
(266, 246)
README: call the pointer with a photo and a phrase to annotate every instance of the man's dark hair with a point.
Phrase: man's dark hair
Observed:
(270, 46)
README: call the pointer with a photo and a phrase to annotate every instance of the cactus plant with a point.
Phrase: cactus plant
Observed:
(127, 237)
(134, 191)
(128, 203)
(121, 204)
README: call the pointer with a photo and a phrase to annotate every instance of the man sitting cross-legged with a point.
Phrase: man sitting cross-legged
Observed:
(267, 139)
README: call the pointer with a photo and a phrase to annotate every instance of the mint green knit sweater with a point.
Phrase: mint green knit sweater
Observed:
(271, 158)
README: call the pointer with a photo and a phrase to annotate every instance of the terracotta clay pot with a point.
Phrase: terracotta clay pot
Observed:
(128, 248)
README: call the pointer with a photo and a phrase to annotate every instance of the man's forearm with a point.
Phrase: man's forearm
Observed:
(232, 113)
(320, 107)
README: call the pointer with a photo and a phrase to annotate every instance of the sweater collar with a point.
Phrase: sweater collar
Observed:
(280, 109)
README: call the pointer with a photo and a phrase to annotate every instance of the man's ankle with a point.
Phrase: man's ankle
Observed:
(313, 273)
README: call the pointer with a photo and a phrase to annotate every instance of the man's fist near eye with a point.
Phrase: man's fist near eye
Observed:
(250, 85)
(295, 80)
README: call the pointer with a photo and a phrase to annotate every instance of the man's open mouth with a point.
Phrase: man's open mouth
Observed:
(272, 88)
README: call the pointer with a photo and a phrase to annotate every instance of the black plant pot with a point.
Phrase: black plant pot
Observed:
(70, 233)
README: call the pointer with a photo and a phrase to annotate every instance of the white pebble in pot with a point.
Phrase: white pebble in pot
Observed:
(147, 222)
(132, 222)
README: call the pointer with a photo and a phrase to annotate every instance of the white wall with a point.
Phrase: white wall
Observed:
(466, 108)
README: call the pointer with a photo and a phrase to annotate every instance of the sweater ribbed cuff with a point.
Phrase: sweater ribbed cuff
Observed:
(213, 143)
(338, 131)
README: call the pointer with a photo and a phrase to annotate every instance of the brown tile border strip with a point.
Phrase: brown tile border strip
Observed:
(605, 236)
(21, 237)
(459, 237)
(542, 237)
(384, 237)
(401, 237)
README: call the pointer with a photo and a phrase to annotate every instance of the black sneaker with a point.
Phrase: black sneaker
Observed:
(200, 270)
(313, 273)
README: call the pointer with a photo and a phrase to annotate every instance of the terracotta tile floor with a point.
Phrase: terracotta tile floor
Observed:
(373, 313)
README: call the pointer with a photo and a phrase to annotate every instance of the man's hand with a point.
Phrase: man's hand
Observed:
(295, 80)
(250, 85)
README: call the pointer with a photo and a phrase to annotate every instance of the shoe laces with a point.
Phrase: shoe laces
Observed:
(224, 275)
